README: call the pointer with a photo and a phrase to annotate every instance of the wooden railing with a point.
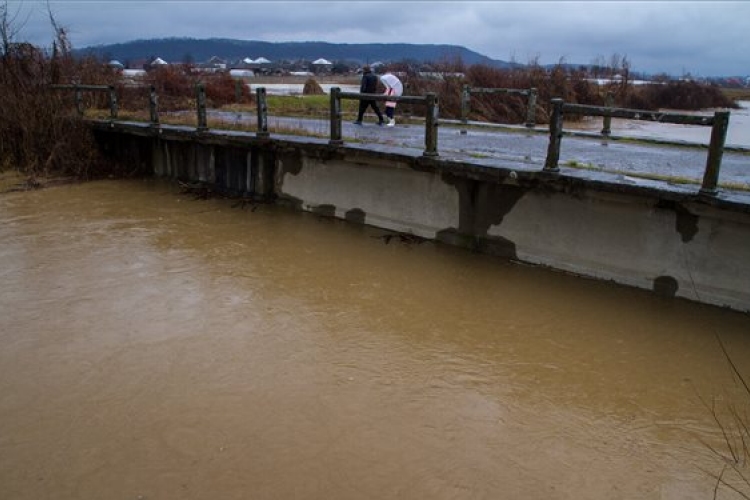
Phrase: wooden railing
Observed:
(466, 102)
(719, 124)
(429, 100)
(78, 94)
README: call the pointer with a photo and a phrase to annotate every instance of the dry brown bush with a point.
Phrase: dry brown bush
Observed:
(41, 135)
(312, 87)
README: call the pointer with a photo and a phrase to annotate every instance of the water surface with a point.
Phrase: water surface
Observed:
(160, 347)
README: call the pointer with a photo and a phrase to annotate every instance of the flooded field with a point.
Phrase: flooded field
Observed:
(160, 347)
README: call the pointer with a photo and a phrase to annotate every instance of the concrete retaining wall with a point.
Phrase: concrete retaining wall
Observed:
(663, 238)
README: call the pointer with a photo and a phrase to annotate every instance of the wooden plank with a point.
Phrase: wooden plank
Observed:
(381, 97)
(498, 91)
(639, 114)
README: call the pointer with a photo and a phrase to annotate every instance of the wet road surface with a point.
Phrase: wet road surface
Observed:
(522, 149)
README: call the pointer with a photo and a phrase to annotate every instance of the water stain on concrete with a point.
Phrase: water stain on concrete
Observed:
(324, 210)
(355, 215)
(666, 286)
(482, 206)
(686, 223)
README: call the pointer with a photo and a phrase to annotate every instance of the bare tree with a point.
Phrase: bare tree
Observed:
(62, 43)
(10, 26)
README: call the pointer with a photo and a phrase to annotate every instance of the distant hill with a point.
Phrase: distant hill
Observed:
(201, 50)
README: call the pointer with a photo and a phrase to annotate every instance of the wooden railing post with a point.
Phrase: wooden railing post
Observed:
(79, 100)
(113, 107)
(531, 111)
(431, 125)
(153, 105)
(715, 152)
(465, 106)
(201, 105)
(555, 136)
(262, 107)
(607, 126)
(336, 117)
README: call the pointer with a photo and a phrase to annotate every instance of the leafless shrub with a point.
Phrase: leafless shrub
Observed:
(734, 423)
(40, 134)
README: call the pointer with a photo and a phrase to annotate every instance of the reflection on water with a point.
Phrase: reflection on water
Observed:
(155, 346)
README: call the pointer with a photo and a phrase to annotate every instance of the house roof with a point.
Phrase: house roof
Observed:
(322, 61)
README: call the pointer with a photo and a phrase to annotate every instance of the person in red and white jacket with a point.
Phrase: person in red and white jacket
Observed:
(393, 86)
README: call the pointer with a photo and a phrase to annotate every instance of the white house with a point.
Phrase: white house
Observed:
(241, 73)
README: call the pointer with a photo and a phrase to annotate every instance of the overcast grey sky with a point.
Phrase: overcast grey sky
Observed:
(704, 38)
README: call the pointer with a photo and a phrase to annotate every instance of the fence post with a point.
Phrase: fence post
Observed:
(431, 125)
(336, 117)
(608, 102)
(465, 103)
(113, 108)
(555, 136)
(531, 112)
(715, 152)
(201, 104)
(262, 105)
(153, 104)
(79, 100)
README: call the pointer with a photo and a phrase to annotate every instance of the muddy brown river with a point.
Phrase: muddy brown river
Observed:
(154, 346)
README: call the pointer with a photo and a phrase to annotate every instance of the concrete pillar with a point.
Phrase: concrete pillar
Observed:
(715, 153)
(555, 136)
(531, 110)
(431, 125)
(153, 106)
(336, 139)
(465, 107)
(201, 107)
(262, 109)
(113, 106)
(607, 126)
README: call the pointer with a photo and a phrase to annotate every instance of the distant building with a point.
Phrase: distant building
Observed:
(216, 63)
(321, 65)
(241, 74)
(260, 65)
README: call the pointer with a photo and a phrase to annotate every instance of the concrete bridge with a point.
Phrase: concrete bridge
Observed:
(670, 238)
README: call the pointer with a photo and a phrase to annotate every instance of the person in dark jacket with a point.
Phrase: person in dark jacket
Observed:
(369, 85)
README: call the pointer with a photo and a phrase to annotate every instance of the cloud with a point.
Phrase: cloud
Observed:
(702, 37)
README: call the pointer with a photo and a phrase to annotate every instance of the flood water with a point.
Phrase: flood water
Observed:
(153, 346)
